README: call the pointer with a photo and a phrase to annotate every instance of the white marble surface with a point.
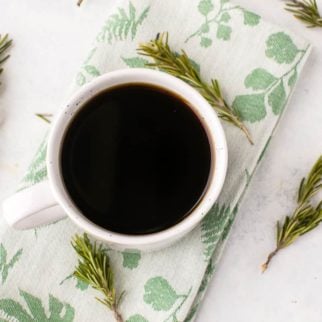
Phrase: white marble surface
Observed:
(51, 39)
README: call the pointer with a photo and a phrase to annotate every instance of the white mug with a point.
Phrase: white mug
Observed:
(49, 200)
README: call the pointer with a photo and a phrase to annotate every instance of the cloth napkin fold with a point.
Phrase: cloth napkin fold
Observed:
(258, 65)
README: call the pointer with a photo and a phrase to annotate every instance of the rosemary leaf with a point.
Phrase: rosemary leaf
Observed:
(45, 117)
(305, 216)
(5, 43)
(94, 269)
(306, 11)
(180, 66)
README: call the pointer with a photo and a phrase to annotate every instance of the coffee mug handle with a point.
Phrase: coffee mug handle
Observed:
(32, 207)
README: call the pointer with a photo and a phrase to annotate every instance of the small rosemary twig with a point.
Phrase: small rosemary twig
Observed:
(305, 217)
(180, 66)
(5, 43)
(305, 10)
(44, 116)
(95, 270)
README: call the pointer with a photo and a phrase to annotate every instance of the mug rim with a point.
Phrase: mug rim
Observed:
(197, 103)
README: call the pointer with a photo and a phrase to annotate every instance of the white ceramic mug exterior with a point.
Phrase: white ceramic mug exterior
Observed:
(49, 201)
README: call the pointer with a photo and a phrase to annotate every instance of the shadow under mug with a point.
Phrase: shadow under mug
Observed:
(49, 201)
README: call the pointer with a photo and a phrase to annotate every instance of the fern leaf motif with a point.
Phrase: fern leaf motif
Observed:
(121, 25)
(5, 264)
(212, 227)
(37, 170)
(35, 311)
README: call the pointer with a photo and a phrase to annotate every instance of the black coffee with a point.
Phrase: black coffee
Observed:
(135, 159)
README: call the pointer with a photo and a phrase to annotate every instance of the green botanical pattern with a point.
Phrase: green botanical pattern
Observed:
(159, 294)
(267, 88)
(251, 107)
(80, 79)
(162, 297)
(192, 313)
(231, 219)
(250, 18)
(79, 284)
(247, 177)
(264, 150)
(37, 170)
(5, 264)
(205, 281)
(34, 311)
(217, 20)
(137, 318)
(139, 62)
(135, 62)
(122, 24)
(88, 70)
(281, 48)
(118, 27)
(207, 277)
(259, 79)
(131, 259)
(212, 227)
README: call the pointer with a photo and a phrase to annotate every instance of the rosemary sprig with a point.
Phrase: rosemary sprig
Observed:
(5, 43)
(45, 117)
(94, 269)
(179, 65)
(305, 217)
(305, 10)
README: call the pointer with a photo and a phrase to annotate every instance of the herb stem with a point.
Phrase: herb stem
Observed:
(269, 258)
(117, 315)
(235, 120)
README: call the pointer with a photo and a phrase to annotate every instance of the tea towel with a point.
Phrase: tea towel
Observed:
(258, 65)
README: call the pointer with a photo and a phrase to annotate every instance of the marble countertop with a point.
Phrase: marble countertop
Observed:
(48, 50)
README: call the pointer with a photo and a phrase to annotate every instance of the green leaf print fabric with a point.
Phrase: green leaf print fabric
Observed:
(258, 65)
